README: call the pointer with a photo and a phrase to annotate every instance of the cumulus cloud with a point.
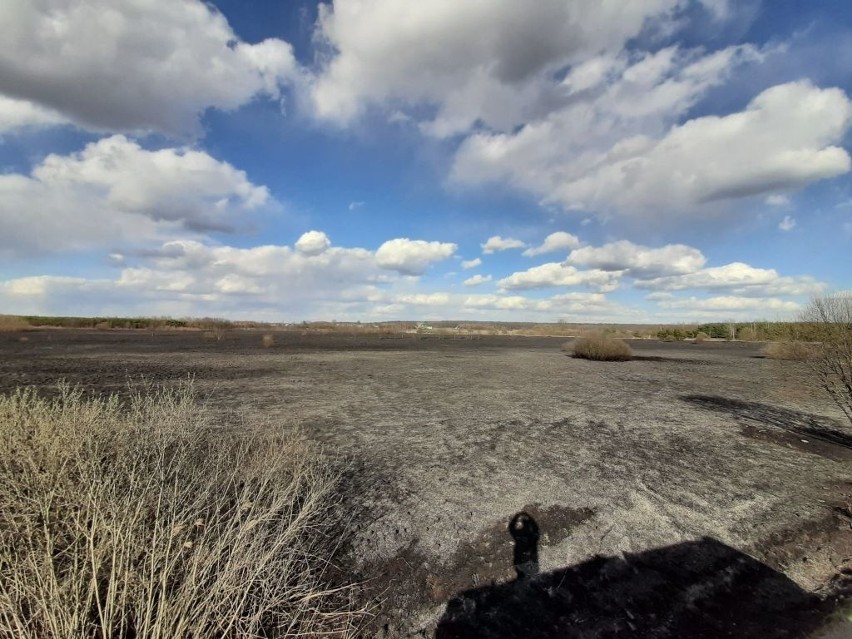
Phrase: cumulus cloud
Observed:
(21, 114)
(560, 240)
(114, 190)
(556, 274)
(122, 65)
(571, 306)
(188, 277)
(477, 279)
(778, 200)
(639, 261)
(496, 243)
(738, 277)
(732, 303)
(490, 62)
(788, 223)
(313, 243)
(788, 136)
(468, 264)
(273, 282)
(412, 257)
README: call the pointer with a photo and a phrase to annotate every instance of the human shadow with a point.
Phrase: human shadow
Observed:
(696, 589)
(803, 424)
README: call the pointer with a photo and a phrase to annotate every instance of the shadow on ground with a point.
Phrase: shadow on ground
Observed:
(695, 589)
(803, 424)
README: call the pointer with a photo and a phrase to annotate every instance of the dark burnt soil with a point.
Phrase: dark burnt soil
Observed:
(697, 486)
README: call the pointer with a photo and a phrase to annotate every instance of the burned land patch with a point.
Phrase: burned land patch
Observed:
(444, 440)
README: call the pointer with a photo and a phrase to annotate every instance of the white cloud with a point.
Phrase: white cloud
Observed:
(617, 153)
(732, 303)
(423, 299)
(313, 243)
(778, 200)
(114, 191)
(468, 264)
(412, 257)
(124, 65)
(474, 61)
(188, 277)
(787, 224)
(557, 241)
(19, 114)
(496, 243)
(477, 279)
(737, 277)
(556, 274)
(355, 205)
(574, 305)
(639, 261)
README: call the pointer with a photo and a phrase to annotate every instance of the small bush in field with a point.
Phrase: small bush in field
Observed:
(700, 337)
(830, 317)
(600, 348)
(268, 340)
(793, 351)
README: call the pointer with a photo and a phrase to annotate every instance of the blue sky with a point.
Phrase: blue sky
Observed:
(662, 161)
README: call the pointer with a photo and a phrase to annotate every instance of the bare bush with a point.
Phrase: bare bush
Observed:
(268, 340)
(147, 521)
(600, 348)
(831, 317)
(792, 351)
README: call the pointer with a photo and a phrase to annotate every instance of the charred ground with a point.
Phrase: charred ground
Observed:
(449, 437)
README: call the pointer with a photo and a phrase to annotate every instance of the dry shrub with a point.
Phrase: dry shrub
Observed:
(13, 323)
(700, 337)
(792, 351)
(217, 334)
(601, 348)
(831, 318)
(144, 520)
(268, 340)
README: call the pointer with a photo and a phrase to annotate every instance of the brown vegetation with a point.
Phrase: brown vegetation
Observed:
(145, 520)
(792, 351)
(12, 323)
(601, 348)
(832, 363)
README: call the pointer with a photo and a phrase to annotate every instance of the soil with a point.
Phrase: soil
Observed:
(698, 486)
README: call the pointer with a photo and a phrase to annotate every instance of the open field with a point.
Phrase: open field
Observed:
(703, 465)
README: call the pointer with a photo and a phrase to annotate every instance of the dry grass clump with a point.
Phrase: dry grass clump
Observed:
(217, 334)
(146, 521)
(268, 340)
(13, 323)
(792, 351)
(600, 348)
(700, 337)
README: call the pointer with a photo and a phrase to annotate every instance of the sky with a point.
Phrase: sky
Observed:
(368, 160)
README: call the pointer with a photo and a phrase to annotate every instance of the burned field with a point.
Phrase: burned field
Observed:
(696, 486)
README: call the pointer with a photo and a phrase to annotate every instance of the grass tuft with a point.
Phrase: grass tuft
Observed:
(600, 348)
(144, 519)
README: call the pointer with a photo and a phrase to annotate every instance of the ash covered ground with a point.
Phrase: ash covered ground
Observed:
(699, 486)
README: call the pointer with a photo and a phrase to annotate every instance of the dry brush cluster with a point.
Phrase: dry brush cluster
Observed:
(143, 519)
(599, 347)
(832, 359)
